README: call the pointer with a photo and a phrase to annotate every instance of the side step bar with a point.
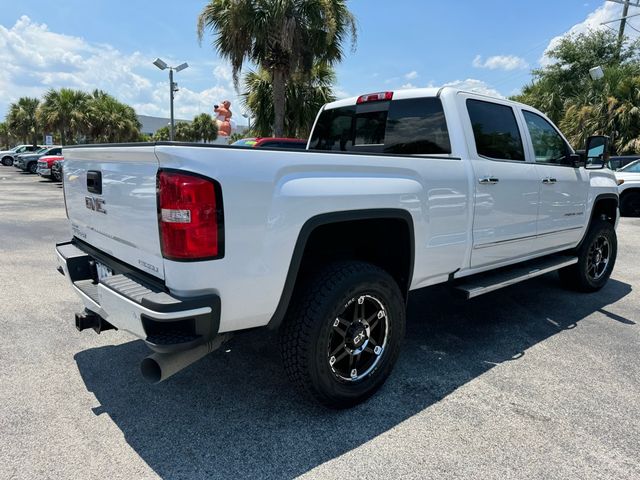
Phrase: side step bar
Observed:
(482, 283)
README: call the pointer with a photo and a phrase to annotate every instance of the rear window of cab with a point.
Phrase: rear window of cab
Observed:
(414, 126)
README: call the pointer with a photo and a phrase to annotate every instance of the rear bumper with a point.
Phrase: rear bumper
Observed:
(129, 301)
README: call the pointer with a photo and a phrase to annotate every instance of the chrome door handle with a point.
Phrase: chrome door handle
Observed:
(488, 180)
(549, 180)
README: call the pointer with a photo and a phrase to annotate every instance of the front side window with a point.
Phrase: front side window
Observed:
(548, 145)
(414, 126)
(495, 130)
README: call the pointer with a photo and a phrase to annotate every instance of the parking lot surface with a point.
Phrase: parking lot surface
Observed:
(532, 381)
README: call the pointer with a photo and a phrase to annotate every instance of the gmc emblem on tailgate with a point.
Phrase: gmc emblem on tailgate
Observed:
(95, 204)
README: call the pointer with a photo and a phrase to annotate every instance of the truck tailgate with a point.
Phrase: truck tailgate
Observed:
(110, 194)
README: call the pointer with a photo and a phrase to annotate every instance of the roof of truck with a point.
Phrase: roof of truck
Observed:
(411, 93)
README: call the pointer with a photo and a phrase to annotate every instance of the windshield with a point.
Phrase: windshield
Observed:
(41, 150)
(633, 167)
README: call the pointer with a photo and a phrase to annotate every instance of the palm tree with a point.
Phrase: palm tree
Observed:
(5, 135)
(283, 37)
(109, 120)
(161, 135)
(184, 132)
(64, 110)
(22, 119)
(205, 128)
(305, 95)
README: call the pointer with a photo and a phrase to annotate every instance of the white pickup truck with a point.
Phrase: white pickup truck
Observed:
(183, 244)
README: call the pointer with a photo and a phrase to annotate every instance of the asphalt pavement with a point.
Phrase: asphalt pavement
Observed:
(529, 382)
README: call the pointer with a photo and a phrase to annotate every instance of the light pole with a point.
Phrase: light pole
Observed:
(173, 87)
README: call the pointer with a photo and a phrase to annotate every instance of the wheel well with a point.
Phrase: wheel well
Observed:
(605, 208)
(629, 191)
(384, 242)
(383, 238)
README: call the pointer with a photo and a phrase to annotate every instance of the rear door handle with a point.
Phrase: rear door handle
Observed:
(488, 180)
(549, 180)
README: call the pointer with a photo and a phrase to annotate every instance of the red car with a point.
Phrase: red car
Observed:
(45, 163)
(272, 142)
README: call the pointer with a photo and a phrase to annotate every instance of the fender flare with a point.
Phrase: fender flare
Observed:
(602, 196)
(327, 219)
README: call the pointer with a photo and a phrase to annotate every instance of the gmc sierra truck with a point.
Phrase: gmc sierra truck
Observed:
(183, 244)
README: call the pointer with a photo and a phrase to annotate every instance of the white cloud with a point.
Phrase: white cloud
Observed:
(501, 62)
(407, 85)
(606, 12)
(411, 75)
(34, 59)
(475, 85)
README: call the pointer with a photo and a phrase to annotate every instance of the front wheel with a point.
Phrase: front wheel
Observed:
(596, 259)
(342, 334)
(7, 161)
(33, 167)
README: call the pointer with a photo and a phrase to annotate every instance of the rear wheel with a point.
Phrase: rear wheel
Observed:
(342, 334)
(596, 259)
(32, 167)
(630, 204)
(7, 161)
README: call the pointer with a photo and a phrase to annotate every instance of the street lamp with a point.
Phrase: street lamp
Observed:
(173, 87)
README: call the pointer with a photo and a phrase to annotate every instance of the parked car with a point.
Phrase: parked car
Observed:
(271, 142)
(629, 189)
(45, 165)
(616, 163)
(29, 161)
(8, 156)
(56, 169)
(398, 191)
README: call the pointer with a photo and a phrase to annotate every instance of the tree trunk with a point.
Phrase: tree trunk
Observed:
(62, 136)
(279, 99)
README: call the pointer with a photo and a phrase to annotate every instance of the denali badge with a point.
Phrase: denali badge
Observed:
(95, 204)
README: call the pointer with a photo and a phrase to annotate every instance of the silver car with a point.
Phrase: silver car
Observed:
(8, 156)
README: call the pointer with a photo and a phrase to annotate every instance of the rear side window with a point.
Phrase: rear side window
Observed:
(406, 127)
(495, 130)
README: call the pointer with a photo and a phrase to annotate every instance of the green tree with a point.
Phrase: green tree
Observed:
(283, 37)
(205, 128)
(22, 119)
(184, 132)
(305, 95)
(5, 136)
(65, 110)
(581, 106)
(110, 121)
(162, 134)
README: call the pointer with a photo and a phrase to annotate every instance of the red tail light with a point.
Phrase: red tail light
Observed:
(375, 97)
(190, 216)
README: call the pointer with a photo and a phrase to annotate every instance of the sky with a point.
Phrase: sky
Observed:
(489, 46)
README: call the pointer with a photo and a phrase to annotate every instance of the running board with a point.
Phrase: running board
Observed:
(482, 283)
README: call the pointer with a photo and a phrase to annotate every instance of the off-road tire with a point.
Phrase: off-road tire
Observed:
(305, 335)
(577, 277)
(630, 204)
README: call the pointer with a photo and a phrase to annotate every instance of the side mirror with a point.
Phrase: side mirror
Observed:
(597, 152)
